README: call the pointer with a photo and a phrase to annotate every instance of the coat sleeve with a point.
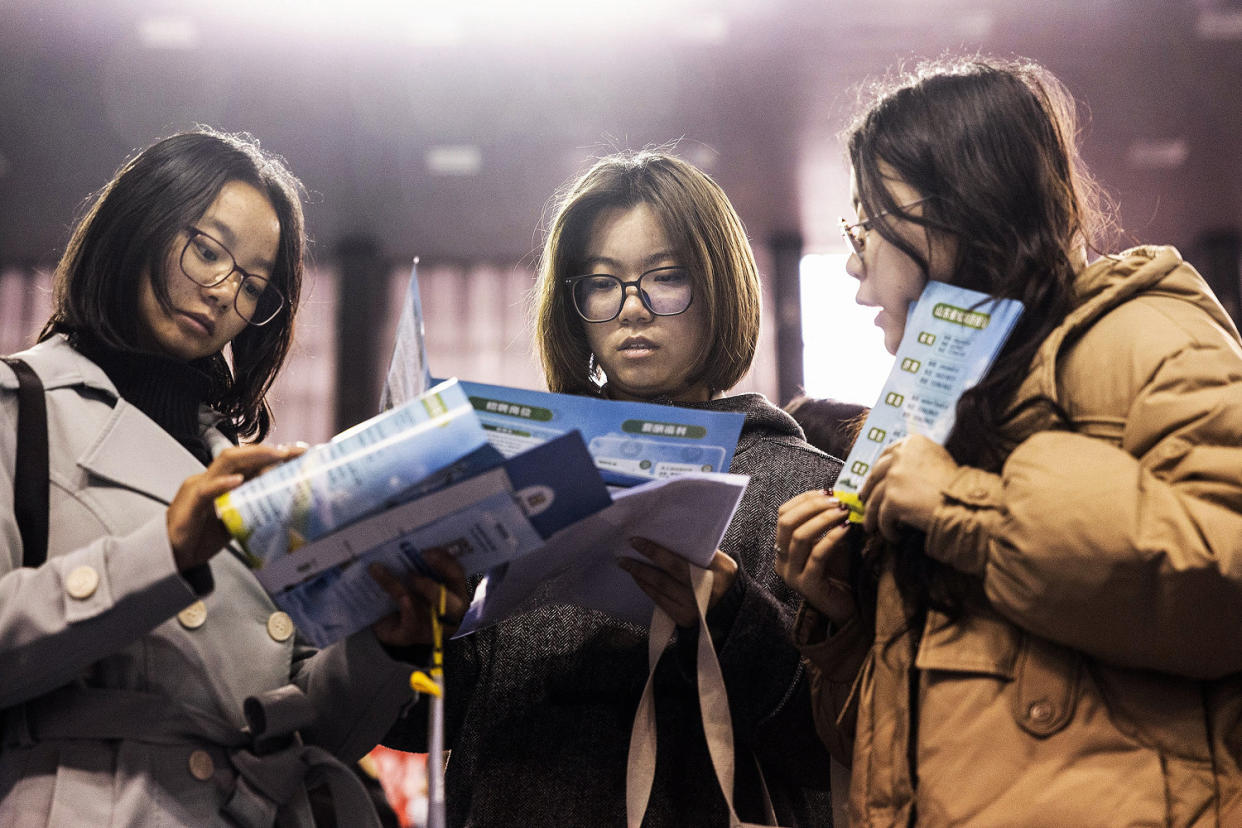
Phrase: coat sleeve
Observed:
(1130, 548)
(357, 690)
(833, 661)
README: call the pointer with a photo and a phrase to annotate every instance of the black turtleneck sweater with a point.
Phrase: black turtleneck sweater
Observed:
(168, 390)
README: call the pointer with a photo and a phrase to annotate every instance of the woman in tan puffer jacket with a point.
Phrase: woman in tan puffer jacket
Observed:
(1043, 624)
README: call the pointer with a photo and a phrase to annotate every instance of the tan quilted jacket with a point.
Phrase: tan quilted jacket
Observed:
(1105, 687)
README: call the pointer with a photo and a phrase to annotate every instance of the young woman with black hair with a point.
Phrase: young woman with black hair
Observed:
(1041, 628)
(147, 676)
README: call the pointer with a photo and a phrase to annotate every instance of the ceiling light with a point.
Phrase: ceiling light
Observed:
(1152, 154)
(168, 32)
(454, 159)
(709, 27)
(1219, 24)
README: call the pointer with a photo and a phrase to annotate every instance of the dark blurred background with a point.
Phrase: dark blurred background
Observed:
(441, 130)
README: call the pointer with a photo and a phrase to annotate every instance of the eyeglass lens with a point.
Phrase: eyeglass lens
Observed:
(208, 263)
(665, 291)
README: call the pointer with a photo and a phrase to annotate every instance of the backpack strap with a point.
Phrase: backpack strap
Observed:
(30, 477)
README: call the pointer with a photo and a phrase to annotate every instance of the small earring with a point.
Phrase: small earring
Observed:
(594, 374)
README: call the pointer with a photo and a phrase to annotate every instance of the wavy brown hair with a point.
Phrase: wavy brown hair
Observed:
(698, 219)
(125, 235)
(993, 145)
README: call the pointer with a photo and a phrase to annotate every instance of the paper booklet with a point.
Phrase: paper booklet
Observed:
(951, 338)
(632, 442)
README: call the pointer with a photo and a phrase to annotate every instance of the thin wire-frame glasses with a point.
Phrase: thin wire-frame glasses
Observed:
(207, 262)
(664, 291)
(856, 234)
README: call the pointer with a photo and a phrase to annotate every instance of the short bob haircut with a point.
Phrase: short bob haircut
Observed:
(702, 224)
(126, 234)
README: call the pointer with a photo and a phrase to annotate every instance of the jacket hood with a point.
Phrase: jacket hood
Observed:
(1110, 282)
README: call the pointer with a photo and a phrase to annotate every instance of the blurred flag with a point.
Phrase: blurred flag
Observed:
(408, 373)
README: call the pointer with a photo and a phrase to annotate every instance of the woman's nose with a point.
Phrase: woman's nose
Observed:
(224, 290)
(854, 266)
(632, 307)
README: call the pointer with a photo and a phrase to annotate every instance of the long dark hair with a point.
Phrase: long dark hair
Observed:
(126, 232)
(992, 144)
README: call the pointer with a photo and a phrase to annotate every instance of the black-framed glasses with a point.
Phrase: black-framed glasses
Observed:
(664, 291)
(207, 262)
(856, 234)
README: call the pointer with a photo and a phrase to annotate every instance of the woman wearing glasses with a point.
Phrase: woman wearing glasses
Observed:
(648, 291)
(147, 676)
(1047, 609)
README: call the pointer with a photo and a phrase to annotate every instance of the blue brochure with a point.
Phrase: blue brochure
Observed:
(491, 518)
(952, 336)
(631, 442)
(360, 471)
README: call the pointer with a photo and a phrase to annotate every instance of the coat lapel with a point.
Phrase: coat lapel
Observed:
(132, 451)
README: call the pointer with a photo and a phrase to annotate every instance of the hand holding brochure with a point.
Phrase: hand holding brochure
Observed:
(358, 471)
(418, 476)
(578, 565)
(490, 519)
(952, 336)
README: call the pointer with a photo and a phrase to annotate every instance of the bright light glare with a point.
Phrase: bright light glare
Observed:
(435, 22)
(843, 354)
(168, 32)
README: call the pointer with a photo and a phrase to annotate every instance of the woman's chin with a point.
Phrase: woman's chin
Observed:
(892, 341)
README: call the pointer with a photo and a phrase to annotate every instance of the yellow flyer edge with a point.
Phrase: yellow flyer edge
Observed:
(230, 516)
(852, 502)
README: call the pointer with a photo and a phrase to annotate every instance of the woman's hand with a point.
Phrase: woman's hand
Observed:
(904, 486)
(667, 580)
(812, 555)
(194, 531)
(410, 625)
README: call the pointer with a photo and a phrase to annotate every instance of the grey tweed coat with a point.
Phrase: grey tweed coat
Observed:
(539, 708)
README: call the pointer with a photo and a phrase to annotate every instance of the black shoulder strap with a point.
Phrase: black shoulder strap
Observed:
(30, 476)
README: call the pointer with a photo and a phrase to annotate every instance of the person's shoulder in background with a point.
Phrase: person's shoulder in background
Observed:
(829, 425)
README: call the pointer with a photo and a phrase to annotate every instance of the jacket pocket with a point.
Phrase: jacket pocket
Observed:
(976, 643)
(1046, 686)
(1044, 679)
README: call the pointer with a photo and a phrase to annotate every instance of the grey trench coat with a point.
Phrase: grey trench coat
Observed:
(122, 682)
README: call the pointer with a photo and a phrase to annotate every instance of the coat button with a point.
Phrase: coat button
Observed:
(193, 616)
(1040, 712)
(82, 582)
(279, 626)
(201, 766)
